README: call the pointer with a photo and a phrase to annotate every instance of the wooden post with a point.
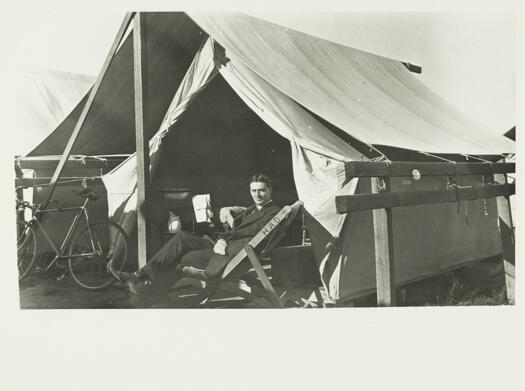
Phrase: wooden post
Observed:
(142, 142)
(384, 250)
(19, 191)
(506, 232)
(87, 107)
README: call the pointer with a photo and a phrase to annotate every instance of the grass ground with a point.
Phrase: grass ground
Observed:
(481, 283)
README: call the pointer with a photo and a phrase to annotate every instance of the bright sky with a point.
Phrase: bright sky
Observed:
(467, 58)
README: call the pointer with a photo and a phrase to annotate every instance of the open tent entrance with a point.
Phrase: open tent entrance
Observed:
(224, 124)
(217, 144)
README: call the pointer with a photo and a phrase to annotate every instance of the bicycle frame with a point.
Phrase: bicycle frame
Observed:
(59, 252)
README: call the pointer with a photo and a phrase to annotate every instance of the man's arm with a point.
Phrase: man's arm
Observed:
(231, 215)
(228, 214)
(245, 234)
(251, 230)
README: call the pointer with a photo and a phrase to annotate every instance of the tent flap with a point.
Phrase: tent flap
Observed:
(121, 182)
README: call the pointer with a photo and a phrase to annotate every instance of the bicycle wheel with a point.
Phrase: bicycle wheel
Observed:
(100, 243)
(26, 249)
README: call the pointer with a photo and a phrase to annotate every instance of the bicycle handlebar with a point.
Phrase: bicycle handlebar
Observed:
(84, 193)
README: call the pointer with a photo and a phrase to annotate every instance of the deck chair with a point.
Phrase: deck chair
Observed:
(273, 231)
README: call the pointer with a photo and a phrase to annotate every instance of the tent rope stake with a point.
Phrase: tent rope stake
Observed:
(382, 200)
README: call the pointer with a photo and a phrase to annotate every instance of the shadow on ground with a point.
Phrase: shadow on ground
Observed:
(481, 283)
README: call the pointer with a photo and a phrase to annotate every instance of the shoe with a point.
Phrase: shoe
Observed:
(145, 294)
(136, 281)
(124, 277)
(138, 285)
(121, 277)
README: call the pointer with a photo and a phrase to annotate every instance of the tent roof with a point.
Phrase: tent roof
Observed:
(43, 98)
(372, 98)
(172, 39)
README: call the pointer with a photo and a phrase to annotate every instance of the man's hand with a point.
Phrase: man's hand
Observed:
(220, 247)
(227, 214)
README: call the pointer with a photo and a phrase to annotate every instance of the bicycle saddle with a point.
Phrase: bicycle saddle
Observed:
(88, 193)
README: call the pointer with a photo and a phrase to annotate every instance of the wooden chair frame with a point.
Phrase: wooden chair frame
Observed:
(274, 231)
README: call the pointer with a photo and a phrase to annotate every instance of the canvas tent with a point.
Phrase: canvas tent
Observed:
(43, 99)
(230, 94)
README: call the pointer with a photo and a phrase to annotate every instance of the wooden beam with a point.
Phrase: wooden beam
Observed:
(19, 192)
(353, 203)
(87, 106)
(46, 181)
(74, 161)
(397, 169)
(384, 251)
(142, 142)
(508, 242)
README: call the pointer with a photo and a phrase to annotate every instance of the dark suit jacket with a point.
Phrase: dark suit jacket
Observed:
(245, 227)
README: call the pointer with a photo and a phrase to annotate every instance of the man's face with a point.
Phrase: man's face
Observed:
(260, 192)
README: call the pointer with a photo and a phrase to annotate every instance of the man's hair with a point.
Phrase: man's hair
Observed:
(262, 178)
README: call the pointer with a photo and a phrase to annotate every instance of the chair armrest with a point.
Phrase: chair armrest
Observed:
(228, 213)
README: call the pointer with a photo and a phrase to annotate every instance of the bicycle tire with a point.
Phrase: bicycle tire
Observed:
(90, 272)
(26, 246)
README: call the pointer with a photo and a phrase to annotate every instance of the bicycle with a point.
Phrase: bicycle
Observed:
(91, 248)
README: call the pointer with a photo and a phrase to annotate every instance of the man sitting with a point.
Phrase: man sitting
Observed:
(186, 250)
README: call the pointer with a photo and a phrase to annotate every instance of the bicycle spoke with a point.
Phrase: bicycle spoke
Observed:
(90, 271)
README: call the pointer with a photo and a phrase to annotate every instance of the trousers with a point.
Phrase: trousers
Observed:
(182, 249)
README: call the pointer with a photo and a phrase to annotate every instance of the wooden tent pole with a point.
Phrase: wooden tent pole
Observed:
(142, 143)
(87, 107)
(384, 250)
(19, 191)
(506, 232)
